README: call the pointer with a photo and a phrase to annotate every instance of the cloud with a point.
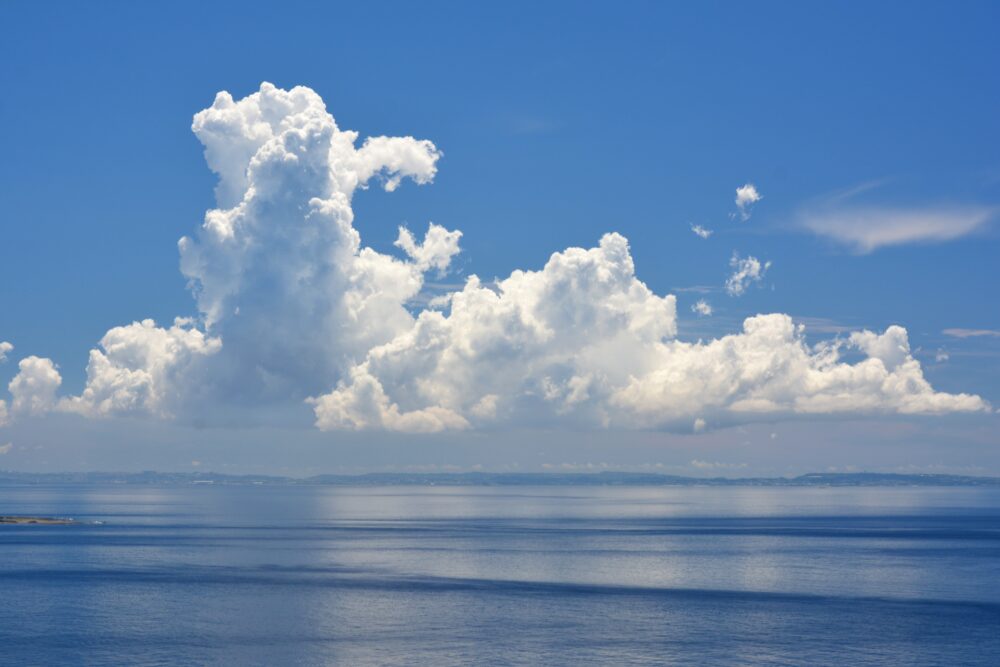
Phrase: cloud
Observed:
(5, 348)
(971, 333)
(4, 414)
(519, 342)
(439, 246)
(941, 356)
(701, 231)
(33, 389)
(702, 307)
(867, 228)
(140, 369)
(291, 306)
(746, 272)
(539, 362)
(287, 296)
(746, 197)
(5, 449)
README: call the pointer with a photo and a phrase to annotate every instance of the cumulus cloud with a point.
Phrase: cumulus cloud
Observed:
(702, 307)
(746, 271)
(292, 306)
(33, 389)
(746, 197)
(701, 231)
(5, 348)
(528, 357)
(140, 367)
(533, 340)
(867, 228)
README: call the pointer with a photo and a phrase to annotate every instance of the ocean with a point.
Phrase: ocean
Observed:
(430, 575)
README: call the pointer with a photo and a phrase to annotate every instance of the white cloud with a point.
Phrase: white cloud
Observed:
(538, 337)
(972, 333)
(941, 356)
(746, 197)
(140, 368)
(746, 271)
(439, 246)
(288, 297)
(4, 415)
(292, 305)
(597, 352)
(699, 425)
(701, 231)
(5, 449)
(865, 229)
(33, 389)
(5, 348)
(702, 307)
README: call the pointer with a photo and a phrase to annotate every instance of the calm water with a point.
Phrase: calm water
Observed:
(524, 575)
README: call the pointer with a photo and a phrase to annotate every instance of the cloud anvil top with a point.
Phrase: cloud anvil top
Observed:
(293, 307)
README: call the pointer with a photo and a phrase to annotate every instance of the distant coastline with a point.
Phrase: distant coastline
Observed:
(40, 520)
(607, 478)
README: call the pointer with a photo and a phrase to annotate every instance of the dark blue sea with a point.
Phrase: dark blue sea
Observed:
(314, 575)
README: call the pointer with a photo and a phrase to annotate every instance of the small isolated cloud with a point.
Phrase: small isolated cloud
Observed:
(746, 197)
(699, 425)
(701, 231)
(702, 307)
(746, 271)
(941, 356)
(5, 449)
(865, 229)
(972, 333)
(5, 348)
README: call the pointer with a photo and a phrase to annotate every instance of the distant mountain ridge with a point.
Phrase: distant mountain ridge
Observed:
(607, 478)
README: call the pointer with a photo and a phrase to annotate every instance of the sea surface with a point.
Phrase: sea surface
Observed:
(314, 575)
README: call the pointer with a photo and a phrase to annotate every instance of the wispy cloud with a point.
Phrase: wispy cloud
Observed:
(701, 231)
(971, 333)
(866, 228)
(746, 271)
(702, 307)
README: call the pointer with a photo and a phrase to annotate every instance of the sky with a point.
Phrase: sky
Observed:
(316, 237)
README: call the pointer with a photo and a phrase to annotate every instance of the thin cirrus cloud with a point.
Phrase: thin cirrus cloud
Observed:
(293, 307)
(971, 333)
(865, 229)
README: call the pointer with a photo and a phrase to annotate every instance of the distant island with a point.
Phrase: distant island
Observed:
(43, 520)
(495, 479)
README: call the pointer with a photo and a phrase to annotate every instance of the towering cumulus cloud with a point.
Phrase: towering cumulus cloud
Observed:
(292, 307)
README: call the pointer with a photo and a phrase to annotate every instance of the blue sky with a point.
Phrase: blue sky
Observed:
(557, 124)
